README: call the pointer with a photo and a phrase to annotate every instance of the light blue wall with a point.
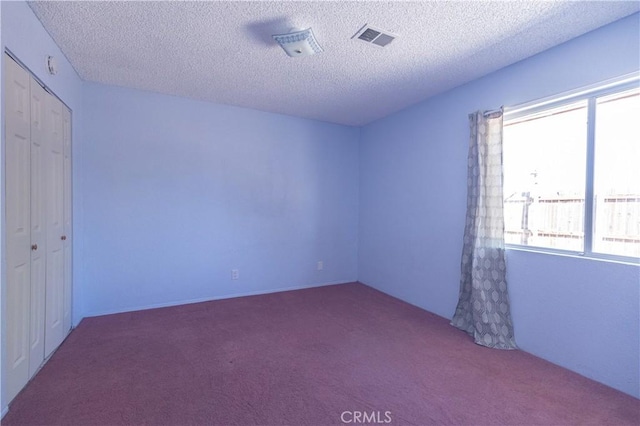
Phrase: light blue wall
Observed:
(581, 314)
(3, 289)
(177, 193)
(24, 36)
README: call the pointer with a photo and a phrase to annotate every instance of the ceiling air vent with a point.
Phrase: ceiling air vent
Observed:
(374, 36)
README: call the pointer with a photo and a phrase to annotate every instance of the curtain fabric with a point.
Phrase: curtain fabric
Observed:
(483, 307)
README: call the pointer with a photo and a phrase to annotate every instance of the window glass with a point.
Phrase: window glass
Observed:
(617, 175)
(544, 178)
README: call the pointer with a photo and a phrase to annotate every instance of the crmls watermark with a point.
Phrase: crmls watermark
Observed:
(375, 417)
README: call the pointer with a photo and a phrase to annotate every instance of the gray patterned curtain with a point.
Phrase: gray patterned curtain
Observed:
(483, 307)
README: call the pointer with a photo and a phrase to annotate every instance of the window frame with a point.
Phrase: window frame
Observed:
(590, 94)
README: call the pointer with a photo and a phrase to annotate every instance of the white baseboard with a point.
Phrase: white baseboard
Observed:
(209, 299)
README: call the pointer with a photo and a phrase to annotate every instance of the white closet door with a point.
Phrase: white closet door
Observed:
(38, 226)
(66, 117)
(54, 327)
(18, 244)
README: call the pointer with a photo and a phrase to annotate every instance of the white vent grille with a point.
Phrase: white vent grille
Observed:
(374, 36)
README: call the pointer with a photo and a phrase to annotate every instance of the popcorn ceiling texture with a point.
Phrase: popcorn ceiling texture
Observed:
(223, 51)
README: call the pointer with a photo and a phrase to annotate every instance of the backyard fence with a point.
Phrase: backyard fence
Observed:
(558, 222)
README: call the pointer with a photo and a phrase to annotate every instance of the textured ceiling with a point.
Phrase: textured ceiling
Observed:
(223, 51)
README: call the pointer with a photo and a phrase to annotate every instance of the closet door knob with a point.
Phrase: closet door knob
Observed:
(34, 247)
(64, 237)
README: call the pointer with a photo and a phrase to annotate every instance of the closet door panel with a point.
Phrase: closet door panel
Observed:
(66, 116)
(18, 247)
(38, 226)
(54, 332)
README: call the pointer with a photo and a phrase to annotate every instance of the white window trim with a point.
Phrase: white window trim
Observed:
(589, 93)
(618, 84)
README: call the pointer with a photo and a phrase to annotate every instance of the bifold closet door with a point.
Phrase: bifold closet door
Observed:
(66, 316)
(18, 235)
(38, 225)
(54, 159)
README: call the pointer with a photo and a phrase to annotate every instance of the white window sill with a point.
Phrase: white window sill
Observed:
(576, 255)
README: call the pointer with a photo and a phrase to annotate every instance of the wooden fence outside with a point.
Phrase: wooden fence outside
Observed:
(558, 222)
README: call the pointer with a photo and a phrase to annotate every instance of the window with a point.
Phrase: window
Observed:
(572, 174)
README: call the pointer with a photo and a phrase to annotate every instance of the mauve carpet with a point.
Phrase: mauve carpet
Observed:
(302, 358)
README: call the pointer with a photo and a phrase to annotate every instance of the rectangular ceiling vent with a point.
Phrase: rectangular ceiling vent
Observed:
(374, 36)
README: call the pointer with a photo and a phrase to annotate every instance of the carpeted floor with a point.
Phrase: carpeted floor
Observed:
(309, 357)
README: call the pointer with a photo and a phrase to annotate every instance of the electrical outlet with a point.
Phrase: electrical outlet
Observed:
(235, 274)
(320, 266)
